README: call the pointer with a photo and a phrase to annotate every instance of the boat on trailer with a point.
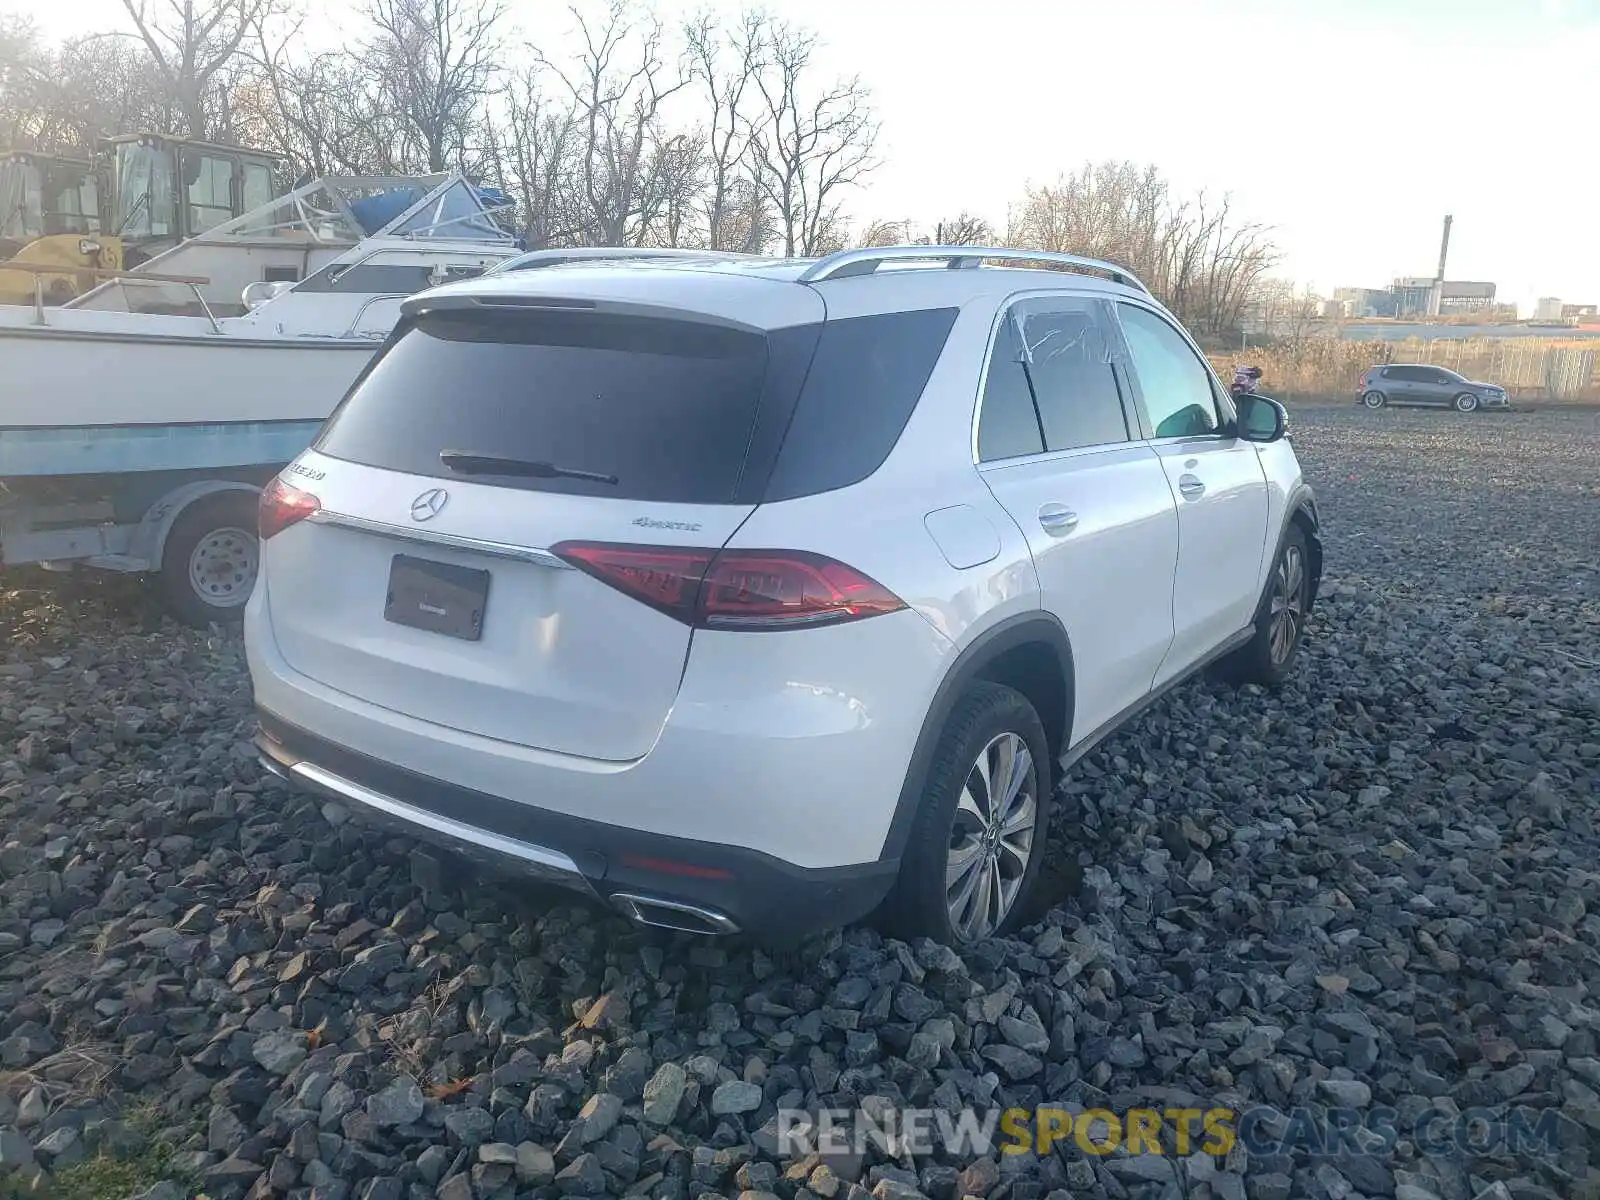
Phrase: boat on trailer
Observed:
(136, 406)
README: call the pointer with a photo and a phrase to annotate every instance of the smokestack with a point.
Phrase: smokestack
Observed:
(1444, 248)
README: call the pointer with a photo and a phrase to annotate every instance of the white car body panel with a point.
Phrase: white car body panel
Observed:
(829, 708)
(583, 701)
(1222, 531)
(1109, 577)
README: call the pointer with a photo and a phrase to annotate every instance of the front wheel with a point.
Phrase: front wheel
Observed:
(212, 554)
(975, 849)
(1466, 402)
(1374, 400)
(1280, 623)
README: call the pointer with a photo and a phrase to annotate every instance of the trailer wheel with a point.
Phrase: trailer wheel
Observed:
(209, 564)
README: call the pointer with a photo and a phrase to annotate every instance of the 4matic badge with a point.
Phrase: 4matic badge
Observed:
(652, 523)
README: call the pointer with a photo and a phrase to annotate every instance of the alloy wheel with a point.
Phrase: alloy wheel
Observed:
(1288, 605)
(992, 838)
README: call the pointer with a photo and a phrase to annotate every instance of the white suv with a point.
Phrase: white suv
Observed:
(763, 594)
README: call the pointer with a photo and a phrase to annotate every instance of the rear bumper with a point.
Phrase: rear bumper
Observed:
(704, 887)
(768, 798)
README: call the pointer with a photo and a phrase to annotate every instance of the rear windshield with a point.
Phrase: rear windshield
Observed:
(664, 406)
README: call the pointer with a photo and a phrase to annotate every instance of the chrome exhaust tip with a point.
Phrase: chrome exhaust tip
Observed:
(273, 767)
(673, 914)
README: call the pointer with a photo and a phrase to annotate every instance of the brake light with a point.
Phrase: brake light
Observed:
(283, 506)
(735, 589)
(766, 589)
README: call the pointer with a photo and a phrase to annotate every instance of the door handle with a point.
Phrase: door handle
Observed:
(1191, 487)
(1057, 519)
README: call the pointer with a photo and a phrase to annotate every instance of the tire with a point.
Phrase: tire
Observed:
(1374, 400)
(988, 722)
(209, 565)
(1464, 403)
(1267, 658)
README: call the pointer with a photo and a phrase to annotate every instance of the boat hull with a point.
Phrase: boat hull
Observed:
(93, 402)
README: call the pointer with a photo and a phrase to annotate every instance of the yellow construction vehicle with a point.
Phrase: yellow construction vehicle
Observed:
(140, 194)
(50, 215)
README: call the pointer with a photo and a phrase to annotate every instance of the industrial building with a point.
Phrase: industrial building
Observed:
(1417, 295)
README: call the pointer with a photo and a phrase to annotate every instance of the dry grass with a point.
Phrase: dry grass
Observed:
(1530, 368)
(74, 1074)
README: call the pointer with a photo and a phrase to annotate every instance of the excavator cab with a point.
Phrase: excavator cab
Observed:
(142, 194)
(165, 190)
(43, 195)
(50, 217)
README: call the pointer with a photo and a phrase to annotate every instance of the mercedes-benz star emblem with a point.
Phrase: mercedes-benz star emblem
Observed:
(429, 505)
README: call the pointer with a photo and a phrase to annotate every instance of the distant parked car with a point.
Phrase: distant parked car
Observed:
(1429, 386)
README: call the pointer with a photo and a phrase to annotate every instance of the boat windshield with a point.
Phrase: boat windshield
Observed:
(144, 191)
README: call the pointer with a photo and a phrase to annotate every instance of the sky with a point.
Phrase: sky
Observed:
(1350, 127)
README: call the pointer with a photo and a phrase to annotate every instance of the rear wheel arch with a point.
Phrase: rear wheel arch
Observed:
(1030, 653)
(1302, 510)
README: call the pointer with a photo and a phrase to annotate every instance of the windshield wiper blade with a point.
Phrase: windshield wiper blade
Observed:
(464, 463)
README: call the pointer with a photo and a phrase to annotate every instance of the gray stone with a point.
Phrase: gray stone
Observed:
(280, 1051)
(400, 1103)
(735, 1096)
(16, 1152)
(599, 1116)
(663, 1093)
(1345, 1093)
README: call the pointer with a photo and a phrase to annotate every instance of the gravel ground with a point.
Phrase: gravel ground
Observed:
(1375, 889)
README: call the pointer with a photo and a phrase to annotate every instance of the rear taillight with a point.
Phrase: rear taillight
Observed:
(735, 589)
(283, 506)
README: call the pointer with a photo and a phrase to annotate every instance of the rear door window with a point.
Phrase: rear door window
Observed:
(1008, 422)
(664, 406)
(1068, 360)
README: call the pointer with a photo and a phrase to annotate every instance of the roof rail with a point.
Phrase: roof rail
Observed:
(532, 260)
(865, 262)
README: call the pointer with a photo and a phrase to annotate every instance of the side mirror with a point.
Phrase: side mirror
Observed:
(1261, 419)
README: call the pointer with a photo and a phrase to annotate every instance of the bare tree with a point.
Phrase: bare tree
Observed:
(436, 62)
(724, 64)
(964, 230)
(536, 144)
(627, 167)
(883, 233)
(60, 99)
(326, 114)
(193, 44)
(812, 145)
(1284, 313)
(26, 71)
(1194, 253)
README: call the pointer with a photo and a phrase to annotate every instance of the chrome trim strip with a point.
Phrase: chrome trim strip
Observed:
(629, 903)
(432, 537)
(538, 857)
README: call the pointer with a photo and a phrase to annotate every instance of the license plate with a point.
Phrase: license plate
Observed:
(437, 597)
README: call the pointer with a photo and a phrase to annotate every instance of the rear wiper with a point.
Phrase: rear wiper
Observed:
(493, 464)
